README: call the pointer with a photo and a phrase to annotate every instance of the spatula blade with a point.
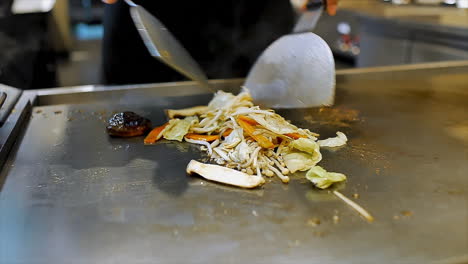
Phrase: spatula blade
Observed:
(164, 46)
(296, 71)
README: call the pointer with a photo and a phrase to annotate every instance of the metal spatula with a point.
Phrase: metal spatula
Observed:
(297, 70)
(164, 46)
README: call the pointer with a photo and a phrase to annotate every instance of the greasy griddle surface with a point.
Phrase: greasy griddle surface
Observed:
(73, 194)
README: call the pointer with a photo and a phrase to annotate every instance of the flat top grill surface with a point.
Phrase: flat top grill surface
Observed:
(71, 194)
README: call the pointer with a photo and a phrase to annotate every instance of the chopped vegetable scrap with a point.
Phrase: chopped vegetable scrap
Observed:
(322, 178)
(247, 143)
(337, 141)
(355, 206)
(155, 134)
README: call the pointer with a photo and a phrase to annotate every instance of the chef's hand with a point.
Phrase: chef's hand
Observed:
(331, 7)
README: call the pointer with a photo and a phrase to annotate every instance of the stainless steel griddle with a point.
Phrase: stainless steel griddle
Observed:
(71, 194)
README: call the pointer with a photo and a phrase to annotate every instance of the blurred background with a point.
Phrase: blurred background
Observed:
(57, 43)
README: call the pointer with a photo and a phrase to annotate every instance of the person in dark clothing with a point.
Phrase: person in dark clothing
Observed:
(224, 36)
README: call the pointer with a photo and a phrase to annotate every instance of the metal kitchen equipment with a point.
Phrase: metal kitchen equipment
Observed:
(164, 46)
(297, 70)
(72, 194)
(8, 98)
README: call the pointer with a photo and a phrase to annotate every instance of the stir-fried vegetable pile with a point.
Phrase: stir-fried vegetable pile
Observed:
(239, 135)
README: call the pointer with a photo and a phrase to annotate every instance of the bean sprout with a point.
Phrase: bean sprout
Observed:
(355, 206)
(268, 162)
(253, 157)
(215, 143)
(217, 116)
(222, 154)
(200, 142)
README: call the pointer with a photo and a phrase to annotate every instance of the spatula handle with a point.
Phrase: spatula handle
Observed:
(315, 4)
(130, 3)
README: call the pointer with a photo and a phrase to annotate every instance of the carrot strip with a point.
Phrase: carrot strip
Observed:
(155, 134)
(227, 132)
(207, 138)
(295, 135)
(248, 120)
(262, 140)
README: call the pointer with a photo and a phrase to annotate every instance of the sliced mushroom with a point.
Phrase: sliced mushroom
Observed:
(224, 175)
(196, 110)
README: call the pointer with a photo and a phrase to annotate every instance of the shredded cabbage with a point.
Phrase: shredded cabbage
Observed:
(234, 138)
(322, 178)
(220, 100)
(337, 141)
(274, 123)
(298, 161)
(306, 145)
(304, 154)
(178, 128)
(241, 153)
